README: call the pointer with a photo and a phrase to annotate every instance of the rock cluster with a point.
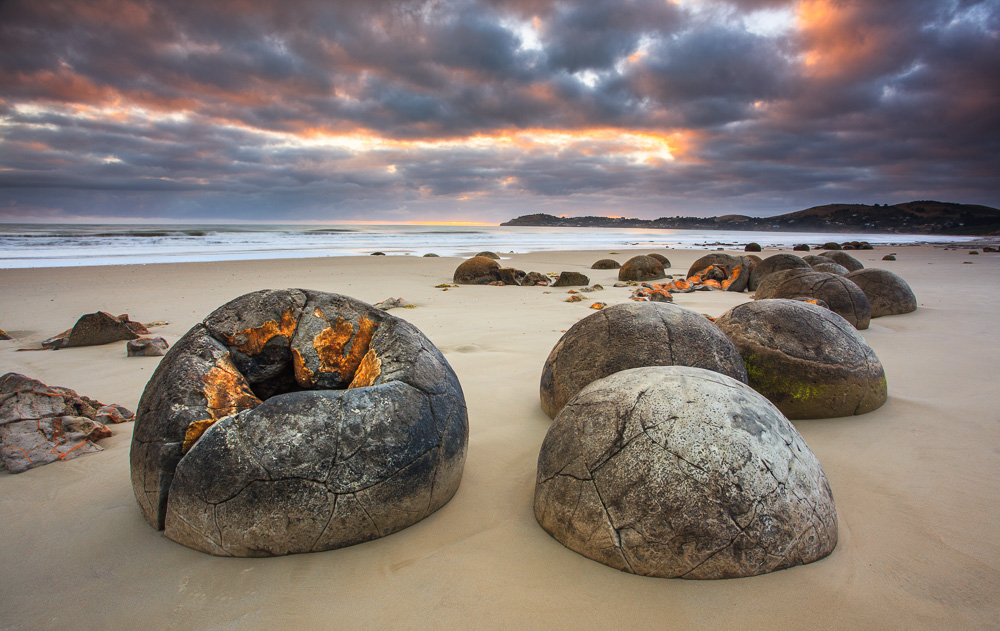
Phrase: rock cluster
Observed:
(484, 270)
(840, 294)
(40, 424)
(682, 472)
(772, 264)
(293, 421)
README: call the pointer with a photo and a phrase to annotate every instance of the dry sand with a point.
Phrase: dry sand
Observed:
(917, 482)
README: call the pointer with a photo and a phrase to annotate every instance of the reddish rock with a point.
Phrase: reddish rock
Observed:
(94, 329)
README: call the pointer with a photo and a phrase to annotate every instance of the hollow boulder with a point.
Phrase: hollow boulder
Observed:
(808, 361)
(682, 472)
(479, 270)
(772, 264)
(887, 292)
(632, 335)
(641, 268)
(840, 294)
(295, 421)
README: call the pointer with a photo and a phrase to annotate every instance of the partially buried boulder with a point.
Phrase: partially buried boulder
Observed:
(94, 329)
(659, 257)
(40, 424)
(632, 335)
(732, 272)
(752, 247)
(146, 347)
(801, 247)
(843, 296)
(843, 258)
(887, 292)
(571, 279)
(640, 268)
(490, 255)
(682, 472)
(606, 264)
(807, 360)
(479, 270)
(772, 264)
(295, 421)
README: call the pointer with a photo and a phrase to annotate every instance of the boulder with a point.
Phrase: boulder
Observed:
(842, 295)
(682, 472)
(431, 255)
(146, 347)
(479, 270)
(93, 329)
(802, 247)
(641, 268)
(808, 361)
(889, 257)
(830, 245)
(659, 257)
(887, 292)
(732, 272)
(632, 335)
(40, 424)
(606, 264)
(721, 260)
(490, 255)
(815, 259)
(843, 258)
(752, 247)
(772, 264)
(571, 279)
(535, 278)
(294, 421)
(510, 275)
(831, 268)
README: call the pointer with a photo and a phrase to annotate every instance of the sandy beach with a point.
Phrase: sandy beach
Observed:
(915, 482)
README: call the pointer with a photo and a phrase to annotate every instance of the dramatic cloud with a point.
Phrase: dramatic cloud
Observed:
(484, 109)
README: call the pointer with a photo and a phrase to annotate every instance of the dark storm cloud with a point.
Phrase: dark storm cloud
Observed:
(353, 108)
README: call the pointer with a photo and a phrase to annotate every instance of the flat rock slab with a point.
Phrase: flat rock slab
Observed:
(682, 472)
(295, 421)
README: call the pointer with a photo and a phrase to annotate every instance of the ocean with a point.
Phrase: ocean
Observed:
(67, 245)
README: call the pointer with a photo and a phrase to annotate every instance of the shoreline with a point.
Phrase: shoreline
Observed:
(914, 482)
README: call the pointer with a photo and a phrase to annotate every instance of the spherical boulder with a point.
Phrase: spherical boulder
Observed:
(801, 247)
(843, 258)
(296, 421)
(753, 246)
(815, 259)
(490, 255)
(808, 361)
(887, 292)
(735, 270)
(606, 264)
(831, 268)
(682, 472)
(479, 270)
(631, 335)
(659, 257)
(641, 268)
(830, 245)
(772, 264)
(843, 296)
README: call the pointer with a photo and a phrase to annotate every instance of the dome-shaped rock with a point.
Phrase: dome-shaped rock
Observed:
(735, 270)
(296, 421)
(715, 258)
(659, 257)
(681, 472)
(479, 270)
(801, 247)
(842, 295)
(606, 264)
(887, 292)
(772, 264)
(815, 259)
(753, 246)
(631, 335)
(641, 268)
(807, 360)
(831, 268)
(490, 255)
(830, 245)
(571, 279)
(843, 258)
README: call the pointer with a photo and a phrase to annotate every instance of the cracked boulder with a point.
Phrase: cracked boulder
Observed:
(772, 264)
(297, 421)
(808, 361)
(840, 294)
(887, 292)
(631, 335)
(682, 472)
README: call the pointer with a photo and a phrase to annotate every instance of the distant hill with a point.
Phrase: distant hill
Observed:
(919, 217)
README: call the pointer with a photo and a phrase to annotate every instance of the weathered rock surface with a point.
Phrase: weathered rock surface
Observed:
(632, 335)
(146, 347)
(479, 270)
(715, 258)
(830, 245)
(843, 258)
(295, 421)
(659, 257)
(807, 360)
(640, 268)
(571, 279)
(606, 264)
(772, 264)
(535, 278)
(93, 329)
(840, 294)
(682, 472)
(887, 292)
(889, 257)
(831, 268)
(510, 275)
(815, 259)
(40, 424)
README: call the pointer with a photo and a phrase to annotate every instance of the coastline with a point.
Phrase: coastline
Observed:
(914, 481)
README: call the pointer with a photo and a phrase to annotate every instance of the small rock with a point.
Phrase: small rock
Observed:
(430, 255)
(146, 347)
(598, 305)
(597, 287)
(990, 249)
(394, 303)
(830, 245)
(114, 414)
(575, 298)
(889, 257)
(535, 279)
(752, 247)
(377, 254)
(157, 323)
(510, 275)
(802, 247)
(444, 286)
(973, 251)
(606, 264)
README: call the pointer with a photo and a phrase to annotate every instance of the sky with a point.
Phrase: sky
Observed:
(482, 110)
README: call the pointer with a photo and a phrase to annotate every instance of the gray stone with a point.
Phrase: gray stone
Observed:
(831, 268)
(807, 360)
(772, 264)
(682, 472)
(843, 258)
(479, 270)
(632, 335)
(571, 279)
(887, 292)
(753, 246)
(146, 347)
(840, 294)
(362, 433)
(641, 268)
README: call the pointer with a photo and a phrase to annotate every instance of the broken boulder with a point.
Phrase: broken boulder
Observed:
(146, 347)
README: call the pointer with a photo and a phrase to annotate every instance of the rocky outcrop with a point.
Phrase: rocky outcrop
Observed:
(40, 424)
(632, 335)
(682, 472)
(807, 360)
(641, 268)
(295, 421)
(479, 270)
(840, 294)
(146, 347)
(887, 292)
(94, 329)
